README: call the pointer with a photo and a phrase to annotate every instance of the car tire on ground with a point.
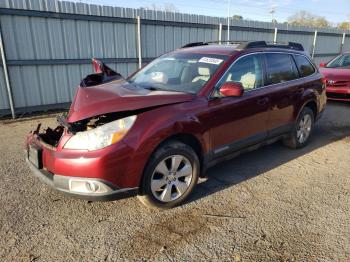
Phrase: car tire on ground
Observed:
(170, 176)
(302, 130)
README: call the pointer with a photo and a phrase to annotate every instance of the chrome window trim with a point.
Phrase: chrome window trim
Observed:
(265, 86)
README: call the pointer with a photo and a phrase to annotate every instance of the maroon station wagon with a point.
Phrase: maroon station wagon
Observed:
(156, 132)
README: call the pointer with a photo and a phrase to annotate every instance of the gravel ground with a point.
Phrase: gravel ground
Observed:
(271, 204)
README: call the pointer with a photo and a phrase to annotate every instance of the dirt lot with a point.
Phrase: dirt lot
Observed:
(271, 204)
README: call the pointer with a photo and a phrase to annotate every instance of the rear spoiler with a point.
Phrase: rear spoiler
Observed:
(103, 74)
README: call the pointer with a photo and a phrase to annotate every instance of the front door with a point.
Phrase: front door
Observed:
(239, 122)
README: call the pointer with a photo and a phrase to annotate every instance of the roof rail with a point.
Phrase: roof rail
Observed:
(194, 44)
(288, 45)
(251, 44)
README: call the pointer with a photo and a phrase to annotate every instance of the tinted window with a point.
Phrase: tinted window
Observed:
(304, 66)
(247, 71)
(280, 68)
(340, 61)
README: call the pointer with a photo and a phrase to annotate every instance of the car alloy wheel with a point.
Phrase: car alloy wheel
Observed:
(304, 128)
(171, 178)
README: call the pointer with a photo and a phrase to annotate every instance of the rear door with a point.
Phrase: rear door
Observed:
(239, 122)
(284, 91)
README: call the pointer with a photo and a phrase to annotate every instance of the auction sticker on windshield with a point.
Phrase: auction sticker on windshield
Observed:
(210, 60)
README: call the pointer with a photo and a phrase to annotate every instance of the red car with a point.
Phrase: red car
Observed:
(156, 132)
(337, 74)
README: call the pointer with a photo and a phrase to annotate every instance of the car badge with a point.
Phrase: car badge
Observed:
(331, 82)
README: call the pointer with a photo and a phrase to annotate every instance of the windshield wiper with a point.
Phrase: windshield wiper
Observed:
(153, 88)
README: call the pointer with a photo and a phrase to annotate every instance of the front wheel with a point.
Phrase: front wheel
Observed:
(301, 132)
(170, 176)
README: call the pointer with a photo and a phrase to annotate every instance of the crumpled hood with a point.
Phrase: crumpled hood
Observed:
(118, 96)
(336, 73)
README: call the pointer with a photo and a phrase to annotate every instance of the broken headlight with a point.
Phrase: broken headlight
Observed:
(101, 136)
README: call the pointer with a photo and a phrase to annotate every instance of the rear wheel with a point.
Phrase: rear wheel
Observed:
(170, 176)
(300, 135)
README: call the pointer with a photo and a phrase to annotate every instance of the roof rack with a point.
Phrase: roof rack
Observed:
(194, 44)
(240, 45)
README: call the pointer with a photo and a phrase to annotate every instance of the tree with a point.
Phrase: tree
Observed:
(304, 18)
(237, 17)
(344, 25)
(168, 7)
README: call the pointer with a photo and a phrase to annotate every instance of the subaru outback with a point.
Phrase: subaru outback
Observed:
(156, 132)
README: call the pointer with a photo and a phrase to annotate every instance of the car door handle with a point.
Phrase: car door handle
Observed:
(262, 101)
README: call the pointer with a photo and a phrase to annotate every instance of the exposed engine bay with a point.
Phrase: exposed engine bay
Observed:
(52, 136)
(93, 122)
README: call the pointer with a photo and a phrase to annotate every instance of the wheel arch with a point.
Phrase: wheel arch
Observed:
(312, 104)
(186, 138)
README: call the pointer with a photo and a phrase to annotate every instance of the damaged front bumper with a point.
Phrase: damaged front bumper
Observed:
(83, 188)
(91, 176)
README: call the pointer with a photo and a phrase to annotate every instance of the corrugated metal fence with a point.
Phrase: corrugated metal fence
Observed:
(48, 44)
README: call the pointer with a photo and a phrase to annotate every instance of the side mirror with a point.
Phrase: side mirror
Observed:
(231, 89)
(322, 64)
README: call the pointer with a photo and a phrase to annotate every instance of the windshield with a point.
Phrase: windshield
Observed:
(181, 72)
(342, 61)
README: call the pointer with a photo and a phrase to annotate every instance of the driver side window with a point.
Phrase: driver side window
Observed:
(247, 71)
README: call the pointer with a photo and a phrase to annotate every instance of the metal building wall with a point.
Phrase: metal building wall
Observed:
(4, 104)
(49, 44)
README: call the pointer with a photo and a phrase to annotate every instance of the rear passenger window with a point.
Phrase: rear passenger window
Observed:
(280, 68)
(304, 66)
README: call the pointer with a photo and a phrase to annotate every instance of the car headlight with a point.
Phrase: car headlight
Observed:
(101, 136)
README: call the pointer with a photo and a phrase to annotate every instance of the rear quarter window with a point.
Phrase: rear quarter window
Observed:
(305, 68)
(280, 68)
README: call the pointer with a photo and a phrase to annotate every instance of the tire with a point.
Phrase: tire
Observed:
(170, 176)
(302, 130)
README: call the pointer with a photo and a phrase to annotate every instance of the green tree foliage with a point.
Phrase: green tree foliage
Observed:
(304, 18)
(344, 25)
(237, 17)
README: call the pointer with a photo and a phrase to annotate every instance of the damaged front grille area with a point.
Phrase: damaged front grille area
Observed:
(51, 136)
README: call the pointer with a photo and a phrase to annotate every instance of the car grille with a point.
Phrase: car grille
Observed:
(341, 84)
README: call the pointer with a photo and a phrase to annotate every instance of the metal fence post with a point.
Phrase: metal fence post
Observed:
(275, 36)
(314, 44)
(220, 32)
(139, 41)
(228, 20)
(6, 75)
(342, 43)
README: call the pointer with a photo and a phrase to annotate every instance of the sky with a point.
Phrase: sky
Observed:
(335, 11)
